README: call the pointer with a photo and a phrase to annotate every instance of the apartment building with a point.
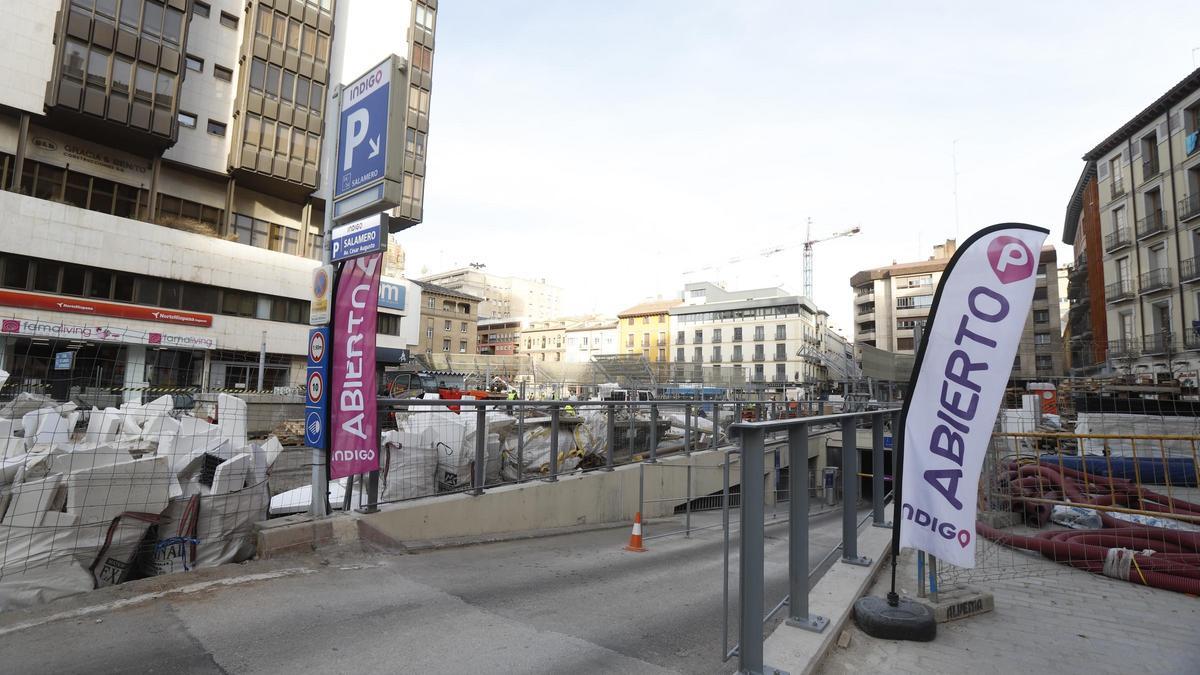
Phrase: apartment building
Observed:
(590, 337)
(1147, 254)
(504, 297)
(448, 321)
(500, 337)
(645, 329)
(755, 337)
(162, 209)
(1086, 329)
(545, 341)
(890, 302)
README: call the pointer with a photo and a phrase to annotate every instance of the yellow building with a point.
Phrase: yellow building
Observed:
(646, 329)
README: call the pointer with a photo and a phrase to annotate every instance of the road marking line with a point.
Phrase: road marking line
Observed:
(146, 597)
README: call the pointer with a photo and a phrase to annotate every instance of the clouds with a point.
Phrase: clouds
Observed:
(609, 147)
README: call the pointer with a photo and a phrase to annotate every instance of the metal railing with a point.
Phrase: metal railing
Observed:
(1156, 343)
(1189, 269)
(751, 611)
(1118, 348)
(1155, 280)
(1189, 207)
(1149, 168)
(1118, 290)
(456, 446)
(1116, 239)
(1117, 188)
(1153, 223)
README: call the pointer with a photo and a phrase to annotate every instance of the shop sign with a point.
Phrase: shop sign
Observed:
(64, 331)
(58, 303)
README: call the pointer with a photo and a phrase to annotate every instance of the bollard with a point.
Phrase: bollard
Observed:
(798, 615)
(750, 563)
(877, 487)
(653, 435)
(553, 443)
(611, 444)
(850, 554)
(480, 447)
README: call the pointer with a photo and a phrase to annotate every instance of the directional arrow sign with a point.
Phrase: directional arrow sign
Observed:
(362, 133)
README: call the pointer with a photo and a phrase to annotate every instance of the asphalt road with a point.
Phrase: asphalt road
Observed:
(569, 603)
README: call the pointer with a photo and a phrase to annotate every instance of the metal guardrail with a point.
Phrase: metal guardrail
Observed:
(751, 572)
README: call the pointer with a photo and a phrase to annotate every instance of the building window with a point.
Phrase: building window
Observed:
(662, 354)
(904, 343)
(462, 346)
(780, 372)
(737, 334)
(223, 73)
(698, 336)
(914, 301)
(781, 332)
(186, 119)
(1041, 316)
(697, 355)
(388, 324)
(200, 9)
(228, 20)
(679, 337)
(464, 327)
(194, 63)
(1044, 362)
(1041, 338)
(716, 354)
(429, 303)
(780, 352)
(629, 321)
(716, 335)
(173, 208)
(629, 340)
(422, 58)
(760, 333)
(446, 325)
(679, 354)
(216, 128)
(446, 345)
(737, 352)
(1039, 293)
(424, 19)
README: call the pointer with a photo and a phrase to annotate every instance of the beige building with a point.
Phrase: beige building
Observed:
(504, 297)
(590, 337)
(1148, 178)
(448, 321)
(645, 329)
(546, 341)
(890, 302)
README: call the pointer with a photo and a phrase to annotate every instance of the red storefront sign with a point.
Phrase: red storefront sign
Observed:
(57, 303)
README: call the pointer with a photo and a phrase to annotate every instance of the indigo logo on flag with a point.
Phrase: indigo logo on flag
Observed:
(1010, 258)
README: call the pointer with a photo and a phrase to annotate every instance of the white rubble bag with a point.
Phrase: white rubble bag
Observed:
(535, 455)
(411, 460)
(207, 530)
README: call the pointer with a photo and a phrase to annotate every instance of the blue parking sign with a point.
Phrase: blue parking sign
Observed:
(363, 131)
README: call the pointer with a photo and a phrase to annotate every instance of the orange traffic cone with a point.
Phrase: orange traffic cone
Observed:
(635, 539)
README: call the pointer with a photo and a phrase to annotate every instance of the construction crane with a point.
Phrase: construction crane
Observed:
(808, 253)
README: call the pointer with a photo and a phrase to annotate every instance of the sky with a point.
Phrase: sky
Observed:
(619, 149)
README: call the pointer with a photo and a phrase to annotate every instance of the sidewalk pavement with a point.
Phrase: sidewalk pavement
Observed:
(1048, 618)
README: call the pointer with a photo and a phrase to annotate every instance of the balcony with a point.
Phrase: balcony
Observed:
(809, 337)
(1079, 269)
(1117, 188)
(1120, 290)
(1117, 239)
(866, 309)
(864, 297)
(780, 357)
(716, 358)
(1149, 168)
(1189, 270)
(1152, 224)
(1191, 338)
(1122, 348)
(1155, 280)
(1156, 343)
(781, 336)
(1189, 207)
(759, 337)
(661, 342)
(760, 357)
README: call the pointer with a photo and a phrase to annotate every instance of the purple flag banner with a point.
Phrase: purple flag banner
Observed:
(958, 383)
(354, 441)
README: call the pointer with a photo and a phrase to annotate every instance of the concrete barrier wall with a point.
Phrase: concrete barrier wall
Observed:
(597, 497)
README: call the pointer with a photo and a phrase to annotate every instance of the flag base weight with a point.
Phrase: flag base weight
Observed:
(907, 620)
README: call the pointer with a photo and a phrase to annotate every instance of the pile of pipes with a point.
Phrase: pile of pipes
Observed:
(80, 491)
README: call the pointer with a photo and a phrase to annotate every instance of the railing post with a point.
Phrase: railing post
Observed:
(716, 416)
(798, 615)
(687, 504)
(480, 447)
(611, 441)
(687, 428)
(372, 504)
(877, 486)
(553, 442)
(652, 436)
(850, 554)
(521, 437)
(631, 430)
(750, 560)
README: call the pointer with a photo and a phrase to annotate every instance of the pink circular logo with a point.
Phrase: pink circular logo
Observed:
(1010, 259)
